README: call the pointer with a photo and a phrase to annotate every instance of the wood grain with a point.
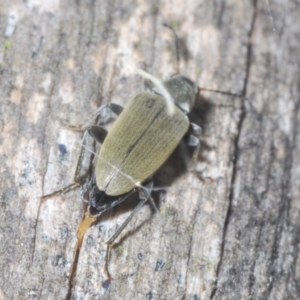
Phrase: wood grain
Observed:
(229, 229)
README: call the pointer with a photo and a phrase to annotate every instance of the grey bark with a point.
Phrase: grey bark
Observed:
(229, 228)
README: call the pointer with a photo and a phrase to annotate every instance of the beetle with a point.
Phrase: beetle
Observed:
(142, 138)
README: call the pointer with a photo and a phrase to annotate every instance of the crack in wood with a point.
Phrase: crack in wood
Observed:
(236, 144)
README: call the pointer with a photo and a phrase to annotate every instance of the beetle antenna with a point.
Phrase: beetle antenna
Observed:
(176, 46)
(178, 61)
(221, 92)
(270, 15)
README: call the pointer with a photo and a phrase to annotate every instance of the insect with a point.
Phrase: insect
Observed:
(142, 138)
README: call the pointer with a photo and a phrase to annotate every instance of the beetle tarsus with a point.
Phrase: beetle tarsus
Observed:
(107, 259)
(61, 191)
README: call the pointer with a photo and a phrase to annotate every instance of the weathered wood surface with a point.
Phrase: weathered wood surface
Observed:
(229, 230)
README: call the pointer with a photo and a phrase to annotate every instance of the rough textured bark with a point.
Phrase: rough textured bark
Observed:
(227, 230)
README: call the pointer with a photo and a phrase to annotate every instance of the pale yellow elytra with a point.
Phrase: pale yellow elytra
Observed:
(140, 141)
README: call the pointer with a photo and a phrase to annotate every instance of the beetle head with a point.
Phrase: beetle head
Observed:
(183, 91)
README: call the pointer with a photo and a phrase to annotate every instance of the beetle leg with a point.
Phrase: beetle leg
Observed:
(105, 112)
(61, 191)
(116, 108)
(196, 129)
(98, 133)
(145, 195)
(77, 177)
(194, 140)
(76, 180)
(153, 205)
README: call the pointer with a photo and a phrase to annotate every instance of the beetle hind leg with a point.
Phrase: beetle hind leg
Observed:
(144, 195)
